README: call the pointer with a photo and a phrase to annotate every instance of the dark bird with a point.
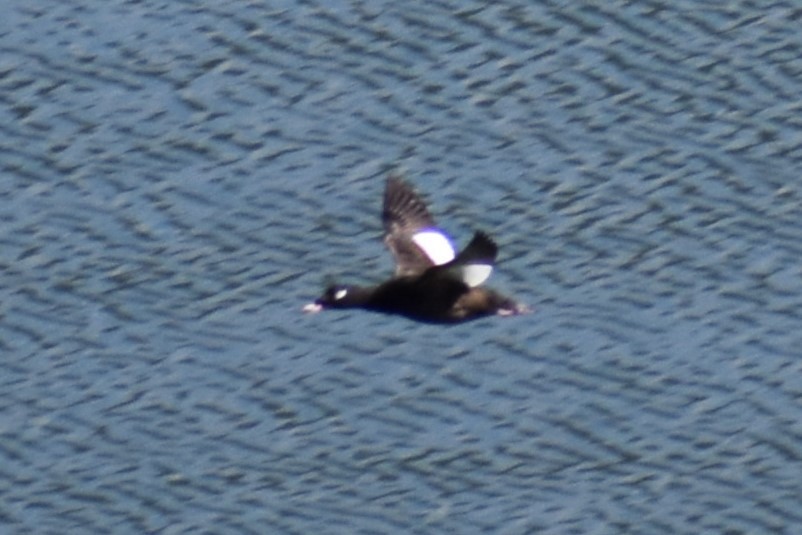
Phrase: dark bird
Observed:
(431, 282)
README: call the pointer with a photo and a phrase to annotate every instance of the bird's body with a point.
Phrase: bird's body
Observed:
(431, 282)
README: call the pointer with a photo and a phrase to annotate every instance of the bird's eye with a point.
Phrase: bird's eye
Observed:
(339, 294)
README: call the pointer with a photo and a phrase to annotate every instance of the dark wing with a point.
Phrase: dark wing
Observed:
(406, 220)
(447, 283)
(481, 250)
(474, 264)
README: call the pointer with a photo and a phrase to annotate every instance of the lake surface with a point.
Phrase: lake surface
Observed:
(179, 178)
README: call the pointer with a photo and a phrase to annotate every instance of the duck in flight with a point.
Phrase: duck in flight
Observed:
(432, 283)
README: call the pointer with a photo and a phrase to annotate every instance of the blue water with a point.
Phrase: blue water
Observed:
(179, 178)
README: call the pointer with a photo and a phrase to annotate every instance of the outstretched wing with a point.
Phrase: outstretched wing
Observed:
(410, 232)
(474, 264)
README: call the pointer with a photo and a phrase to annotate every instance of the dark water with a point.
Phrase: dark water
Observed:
(178, 178)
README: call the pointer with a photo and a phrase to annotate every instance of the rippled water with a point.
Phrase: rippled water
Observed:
(179, 178)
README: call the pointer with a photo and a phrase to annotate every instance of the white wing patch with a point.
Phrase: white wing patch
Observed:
(435, 245)
(475, 274)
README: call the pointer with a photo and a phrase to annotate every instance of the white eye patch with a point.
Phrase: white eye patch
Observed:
(339, 294)
(435, 245)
